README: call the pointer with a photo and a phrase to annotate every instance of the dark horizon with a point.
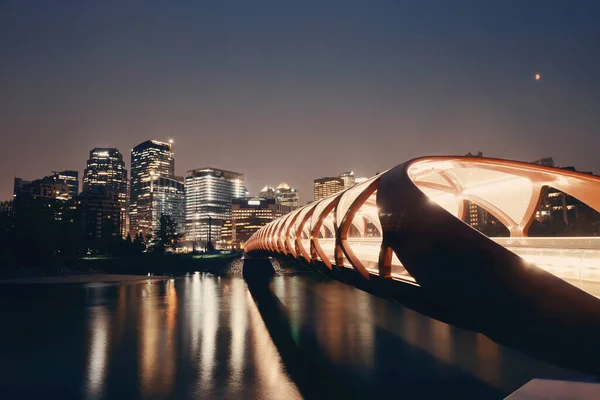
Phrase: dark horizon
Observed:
(296, 92)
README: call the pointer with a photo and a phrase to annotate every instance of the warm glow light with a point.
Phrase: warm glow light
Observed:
(537, 77)
(508, 191)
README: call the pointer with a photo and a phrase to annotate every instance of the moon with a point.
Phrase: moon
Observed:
(537, 77)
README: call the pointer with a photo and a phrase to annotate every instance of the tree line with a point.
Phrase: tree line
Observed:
(49, 232)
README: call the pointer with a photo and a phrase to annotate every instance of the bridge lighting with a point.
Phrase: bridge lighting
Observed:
(507, 190)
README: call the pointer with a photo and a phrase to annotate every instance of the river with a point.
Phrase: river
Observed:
(203, 336)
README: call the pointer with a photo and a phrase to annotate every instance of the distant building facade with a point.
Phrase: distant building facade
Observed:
(348, 178)
(46, 187)
(100, 210)
(545, 161)
(52, 191)
(247, 217)
(106, 168)
(286, 197)
(71, 178)
(149, 160)
(325, 187)
(208, 196)
(167, 196)
(560, 214)
(268, 192)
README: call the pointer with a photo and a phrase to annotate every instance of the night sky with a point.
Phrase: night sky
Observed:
(296, 90)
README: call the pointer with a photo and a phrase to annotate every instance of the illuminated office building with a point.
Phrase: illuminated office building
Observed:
(247, 217)
(348, 179)
(208, 196)
(71, 178)
(167, 196)
(49, 191)
(562, 214)
(62, 186)
(46, 187)
(325, 187)
(106, 168)
(149, 160)
(286, 197)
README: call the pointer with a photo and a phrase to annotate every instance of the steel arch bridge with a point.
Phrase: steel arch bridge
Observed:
(402, 232)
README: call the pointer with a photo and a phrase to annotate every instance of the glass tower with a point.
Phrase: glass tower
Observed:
(105, 168)
(149, 160)
(208, 196)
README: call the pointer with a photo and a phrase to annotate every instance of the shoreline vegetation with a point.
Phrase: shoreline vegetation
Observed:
(113, 269)
(81, 278)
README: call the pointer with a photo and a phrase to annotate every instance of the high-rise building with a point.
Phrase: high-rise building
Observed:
(106, 168)
(208, 196)
(247, 217)
(286, 197)
(100, 207)
(71, 178)
(168, 198)
(325, 187)
(149, 160)
(348, 178)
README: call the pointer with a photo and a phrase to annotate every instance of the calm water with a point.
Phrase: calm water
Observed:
(203, 336)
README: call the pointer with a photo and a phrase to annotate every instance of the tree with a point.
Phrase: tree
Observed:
(166, 235)
(7, 242)
(138, 243)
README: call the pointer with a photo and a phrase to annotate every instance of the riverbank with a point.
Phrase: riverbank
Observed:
(80, 278)
(139, 265)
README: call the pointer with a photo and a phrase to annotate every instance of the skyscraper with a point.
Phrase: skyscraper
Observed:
(208, 196)
(101, 219)
(167, 197)
(149, 160)
(285, 196)
(106, 168)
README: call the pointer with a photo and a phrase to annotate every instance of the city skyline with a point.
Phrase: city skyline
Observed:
(309, 90)
(254, 187)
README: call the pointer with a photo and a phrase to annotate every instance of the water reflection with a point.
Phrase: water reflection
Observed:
(203, 336)
(238, 323)
(208, 335)
(374, 339)
(158, 310)
(98, 350)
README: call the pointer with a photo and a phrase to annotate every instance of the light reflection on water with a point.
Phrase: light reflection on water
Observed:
(202, 336)
(372, 338)
(99, 333)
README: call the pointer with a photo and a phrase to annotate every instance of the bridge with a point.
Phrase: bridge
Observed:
(401, 235)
